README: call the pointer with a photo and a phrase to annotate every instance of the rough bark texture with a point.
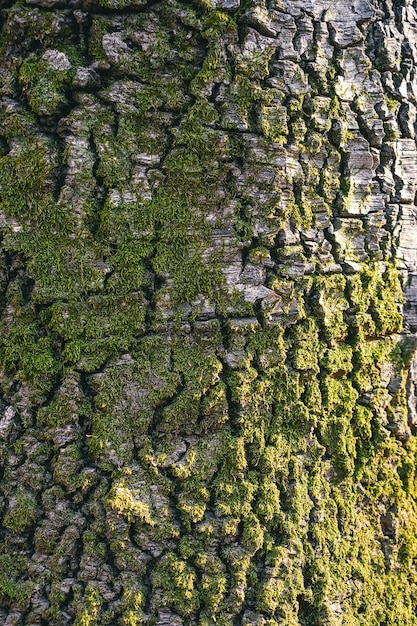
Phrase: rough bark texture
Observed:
(208, 312)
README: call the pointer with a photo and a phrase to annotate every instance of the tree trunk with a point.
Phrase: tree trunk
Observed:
(208, 313)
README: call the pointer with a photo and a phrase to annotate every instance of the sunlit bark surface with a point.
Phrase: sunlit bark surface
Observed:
(208, 291)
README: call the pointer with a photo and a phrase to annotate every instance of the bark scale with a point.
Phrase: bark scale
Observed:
(208, 312)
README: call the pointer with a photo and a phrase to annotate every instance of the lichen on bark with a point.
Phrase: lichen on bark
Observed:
(207, 297)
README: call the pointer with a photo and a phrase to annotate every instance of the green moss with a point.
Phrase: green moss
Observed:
(339, 399)
(213, 587)
(306, 346)
(22, 511)
(16, 592)
(116, 4)
(370, 357)
(376, 295)
(331, 304)
(177, 582)
(25, 170)
(44, 86)
(244, 93)
(338, 360)
(214, 68)
(233, 500)
(125, 502)
(90, 603)
(29, 26)
(253, 63)
(386, 303)
(253, 535)
(99, 27)
(99, 326)
(216, 24)
(29, 354)
(192, 503)
(268, 506)
(133, 602)
(178, 228)
(274, 123)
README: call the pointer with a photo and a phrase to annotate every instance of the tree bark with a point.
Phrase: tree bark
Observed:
(208, 312)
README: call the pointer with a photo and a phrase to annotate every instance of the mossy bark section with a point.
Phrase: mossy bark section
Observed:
(204, 363)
